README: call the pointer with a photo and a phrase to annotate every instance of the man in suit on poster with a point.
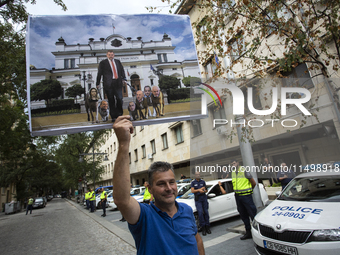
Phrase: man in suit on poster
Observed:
(113, 75)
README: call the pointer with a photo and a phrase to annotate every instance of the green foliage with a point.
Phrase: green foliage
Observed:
(191, 81)
(74, 91)
(167, 82)
(62, 102)
(45, 90)
(181, 93)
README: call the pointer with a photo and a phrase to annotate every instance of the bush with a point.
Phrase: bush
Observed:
(176, 94)
(51, 110)
(62, 102)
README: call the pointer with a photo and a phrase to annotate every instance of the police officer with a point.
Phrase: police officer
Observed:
(199, 188)
(103, 198)
(87, 200)
(147, 198)
(243, 184)
(30, 205)
(92, 200)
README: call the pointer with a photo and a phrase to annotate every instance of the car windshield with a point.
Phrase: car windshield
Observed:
(189, 195)
(316, 189)
(39, 199)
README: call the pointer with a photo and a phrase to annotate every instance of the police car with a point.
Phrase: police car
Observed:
(221, 206)
(304, 219)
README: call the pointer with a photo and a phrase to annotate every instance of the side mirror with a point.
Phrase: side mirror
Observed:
(277, 193)
(211, 195)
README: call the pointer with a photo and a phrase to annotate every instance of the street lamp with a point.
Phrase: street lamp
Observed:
(93, 155)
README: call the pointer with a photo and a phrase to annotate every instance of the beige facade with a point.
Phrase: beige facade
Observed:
(293, 137)
(7, 194)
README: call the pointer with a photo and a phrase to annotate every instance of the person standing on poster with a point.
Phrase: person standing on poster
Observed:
(113, 75)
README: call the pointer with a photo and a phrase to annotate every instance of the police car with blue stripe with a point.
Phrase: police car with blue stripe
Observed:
(304, 219)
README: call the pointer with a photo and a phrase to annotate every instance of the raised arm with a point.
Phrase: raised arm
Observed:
(127, 205)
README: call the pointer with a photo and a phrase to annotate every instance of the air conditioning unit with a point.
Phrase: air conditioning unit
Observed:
(150, 156)
(222, 130)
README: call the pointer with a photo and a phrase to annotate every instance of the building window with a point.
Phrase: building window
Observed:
(143, 151)
(133, 66)
(130, 157)
(153, 146)
(111, 149)
(196, 127)
(159, 58)
(165, 141)
(66, 64)
(256, 99)
(238, 47)
(210, 68)
(174, 69)
(111, 166)
(201, 29)
(179, 134)
(218, 113)
(297, 77)
(165, 57)
(114, 146)
(59, 77)
(151, 82)
(73, 63)
(136, 155)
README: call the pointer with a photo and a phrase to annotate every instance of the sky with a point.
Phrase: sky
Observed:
(84, 20)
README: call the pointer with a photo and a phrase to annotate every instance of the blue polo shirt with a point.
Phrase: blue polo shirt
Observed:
(197, 185)
(157, 233)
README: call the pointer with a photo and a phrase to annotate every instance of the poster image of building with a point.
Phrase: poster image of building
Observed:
(65, 91)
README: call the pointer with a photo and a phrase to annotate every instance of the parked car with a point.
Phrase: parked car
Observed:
(182, 188)
(39, 202)
(221, 206)
(109, 197)
(304, 219)
(137, 190)
(49, 197)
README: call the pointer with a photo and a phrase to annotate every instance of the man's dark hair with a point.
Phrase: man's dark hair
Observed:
(110, 51)
(159, 166)
(147, 86)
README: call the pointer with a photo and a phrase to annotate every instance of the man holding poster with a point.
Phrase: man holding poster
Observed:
(113, 75)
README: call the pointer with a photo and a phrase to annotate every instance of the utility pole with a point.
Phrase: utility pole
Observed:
(248, 160)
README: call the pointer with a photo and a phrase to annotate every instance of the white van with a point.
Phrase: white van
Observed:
(304, 219)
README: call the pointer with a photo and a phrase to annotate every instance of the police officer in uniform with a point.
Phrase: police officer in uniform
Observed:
(87, 200)
(243, 184)
(199, 188)
(92, 200)
(103, 198)
(30, 205)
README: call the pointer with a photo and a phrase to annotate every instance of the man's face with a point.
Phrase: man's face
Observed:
(234, 164)
(197, 176)
(266, 160)
(147, 91)
(155, 91)
(140, 95)
(110, 55)
(132, 107)
(164, 188)
(104, 105)
(283, 166)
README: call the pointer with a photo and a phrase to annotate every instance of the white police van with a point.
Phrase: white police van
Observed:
(304, 219)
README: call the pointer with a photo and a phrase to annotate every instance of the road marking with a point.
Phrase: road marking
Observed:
(220, 239)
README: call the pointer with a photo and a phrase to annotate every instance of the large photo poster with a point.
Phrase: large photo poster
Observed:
(85, 71)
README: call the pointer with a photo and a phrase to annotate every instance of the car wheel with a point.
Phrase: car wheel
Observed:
(199, 229)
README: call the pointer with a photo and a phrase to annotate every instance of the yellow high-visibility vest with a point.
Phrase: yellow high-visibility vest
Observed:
(94, 196)
(30, 201)
(102, 195)
(241, 184)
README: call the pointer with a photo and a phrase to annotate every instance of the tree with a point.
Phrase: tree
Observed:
(45, 90)
(17, 151)
(167, 82)
(74, 91)
(191, 81)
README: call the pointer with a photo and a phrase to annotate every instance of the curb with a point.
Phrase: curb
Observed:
(121, 233)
